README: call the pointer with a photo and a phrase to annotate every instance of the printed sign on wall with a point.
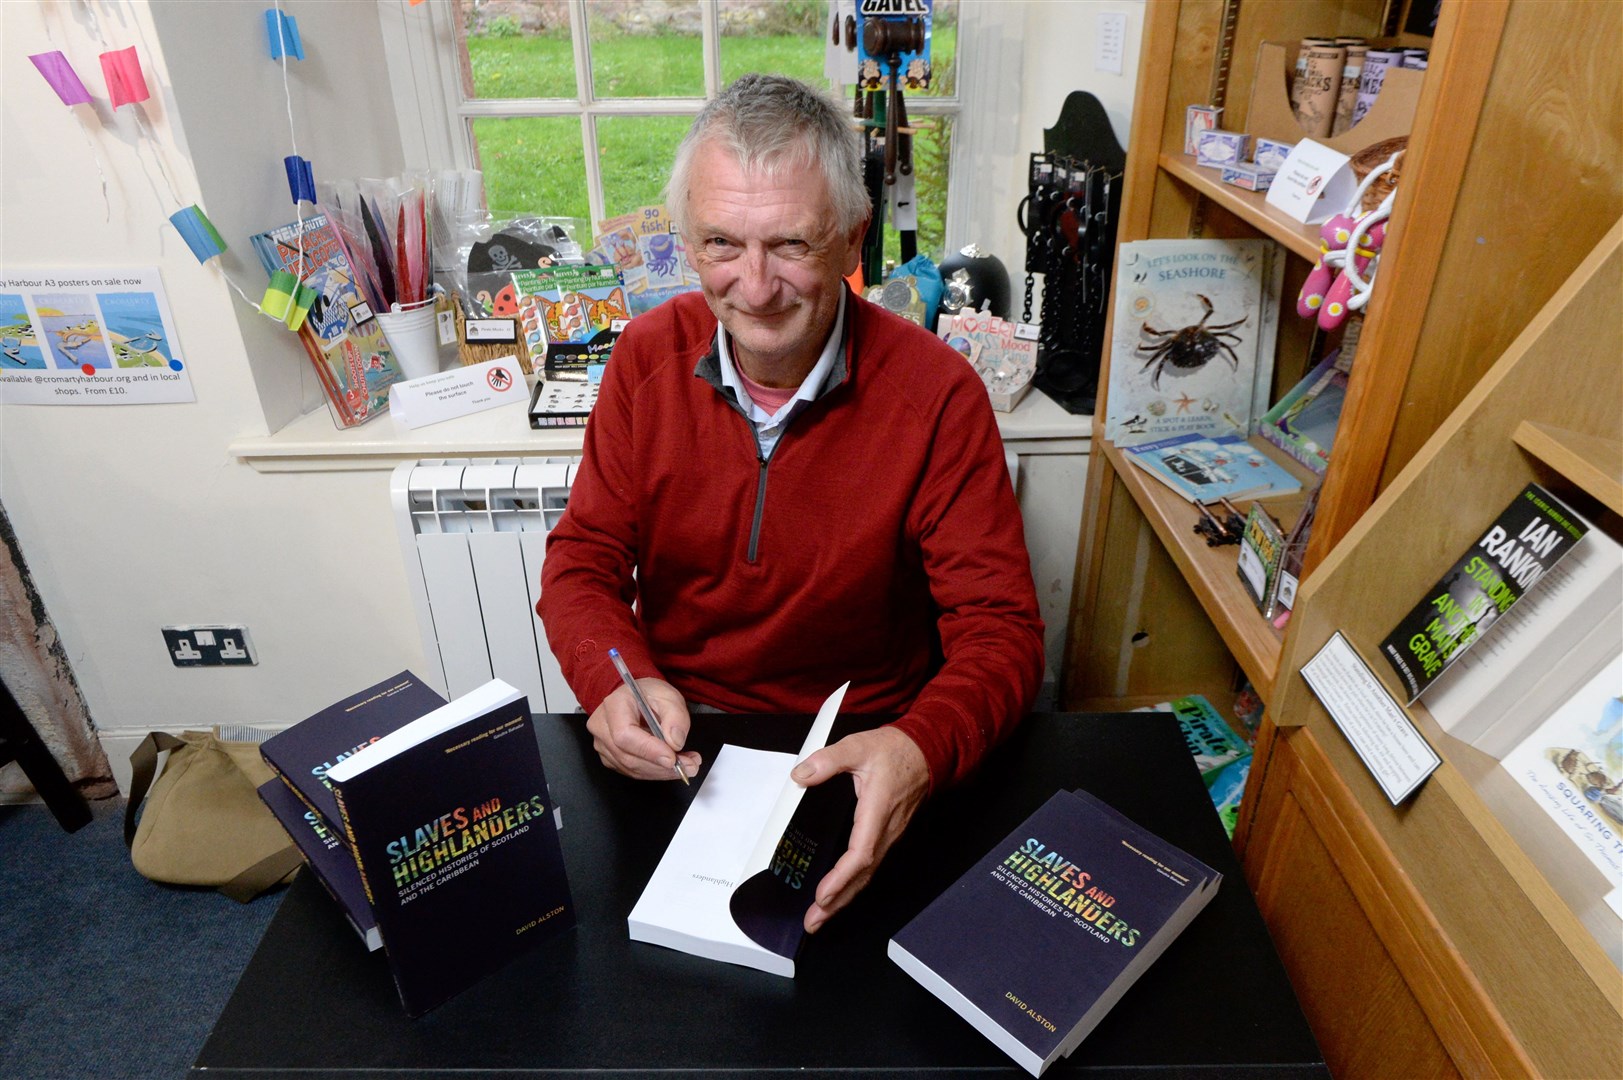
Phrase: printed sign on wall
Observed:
(88, 337)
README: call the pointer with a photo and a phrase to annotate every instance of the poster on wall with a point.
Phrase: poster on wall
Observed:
(88, 337)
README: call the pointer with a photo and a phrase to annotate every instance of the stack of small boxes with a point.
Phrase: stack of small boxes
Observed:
(1214, 148)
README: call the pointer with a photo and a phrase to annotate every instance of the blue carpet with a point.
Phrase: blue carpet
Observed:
(102, 972)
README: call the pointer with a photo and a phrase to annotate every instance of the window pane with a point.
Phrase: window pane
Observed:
(646, 48)
(943, 54)
(781, 38)
(533, 165)
(636, 154)
(932, 150)
(516, 50)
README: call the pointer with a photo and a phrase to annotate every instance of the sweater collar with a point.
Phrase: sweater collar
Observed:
(709, 367)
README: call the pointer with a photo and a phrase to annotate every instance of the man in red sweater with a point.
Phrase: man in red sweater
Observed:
(785, 487)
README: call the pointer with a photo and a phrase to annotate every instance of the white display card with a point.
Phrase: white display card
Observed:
(417, 403)
(1314, 183)
(1376, 725)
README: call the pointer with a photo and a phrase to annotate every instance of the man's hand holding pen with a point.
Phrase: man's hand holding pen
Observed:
(624, 742)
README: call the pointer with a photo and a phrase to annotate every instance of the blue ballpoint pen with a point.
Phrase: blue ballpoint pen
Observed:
(642, 706)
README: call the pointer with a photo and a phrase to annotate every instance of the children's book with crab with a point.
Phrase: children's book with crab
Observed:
(344, 341)
(1193, 339)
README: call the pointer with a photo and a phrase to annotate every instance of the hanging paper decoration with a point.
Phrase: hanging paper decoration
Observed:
(279, 295)
(283, 31)
(63, 79)
(301, 178)
(304, 297)
(198, 232)
(125, 83)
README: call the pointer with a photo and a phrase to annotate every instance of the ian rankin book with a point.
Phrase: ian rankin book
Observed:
(327, 854)
(1036, 943)
(304, 753)
(1524, 542)
(739, 873)
(450, 824)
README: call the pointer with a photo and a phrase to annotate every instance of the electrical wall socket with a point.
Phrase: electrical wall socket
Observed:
(214, 645)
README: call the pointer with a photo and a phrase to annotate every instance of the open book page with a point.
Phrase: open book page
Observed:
(685, 905)
(790, 794)
(730, 832)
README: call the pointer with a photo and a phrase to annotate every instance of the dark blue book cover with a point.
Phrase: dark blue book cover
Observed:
(1042, 936)
(329, 857)
(303, 753)
(452, 826)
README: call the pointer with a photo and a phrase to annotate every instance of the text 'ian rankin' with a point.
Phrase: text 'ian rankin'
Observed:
(1067, 883)
(456, 833)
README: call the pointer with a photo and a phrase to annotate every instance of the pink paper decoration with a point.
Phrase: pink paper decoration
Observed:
(63, 79)
(125, 83)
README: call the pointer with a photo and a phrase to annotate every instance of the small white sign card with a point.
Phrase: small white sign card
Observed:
(419, 402)
(1380, 731)
(1314, 183)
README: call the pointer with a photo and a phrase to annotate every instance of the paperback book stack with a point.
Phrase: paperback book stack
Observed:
(1192, 349)
(1036, 943)
(428, 821)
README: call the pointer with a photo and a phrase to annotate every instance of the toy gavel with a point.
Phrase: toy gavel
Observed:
(891, 38)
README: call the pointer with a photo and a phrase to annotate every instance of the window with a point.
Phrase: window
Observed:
(574, 108)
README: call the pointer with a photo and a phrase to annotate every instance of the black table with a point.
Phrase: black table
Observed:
(1217, 1004)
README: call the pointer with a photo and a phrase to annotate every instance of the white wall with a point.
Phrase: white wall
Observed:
(132, 517)
(1058, 44)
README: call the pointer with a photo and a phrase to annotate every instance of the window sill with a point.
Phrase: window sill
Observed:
(312, 444)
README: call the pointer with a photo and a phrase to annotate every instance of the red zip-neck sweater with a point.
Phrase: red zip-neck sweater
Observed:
(880, 543)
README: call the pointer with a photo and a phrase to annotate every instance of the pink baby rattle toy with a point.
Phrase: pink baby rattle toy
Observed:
(1349, 252)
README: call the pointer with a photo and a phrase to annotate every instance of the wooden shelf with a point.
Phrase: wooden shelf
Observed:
(1249, 206)
(1593, 463)
(1212, 571)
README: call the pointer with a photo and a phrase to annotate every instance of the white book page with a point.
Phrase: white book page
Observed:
(789, 795)
(492, 695)
(705, 861)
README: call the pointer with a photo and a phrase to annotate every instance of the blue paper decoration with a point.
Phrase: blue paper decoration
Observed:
(198, 232)
(283, 31)
(301, 179)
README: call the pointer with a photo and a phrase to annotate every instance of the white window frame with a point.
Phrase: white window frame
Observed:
(421, 45)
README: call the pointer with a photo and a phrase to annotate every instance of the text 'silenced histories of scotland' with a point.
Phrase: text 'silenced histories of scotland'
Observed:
(1077, 889)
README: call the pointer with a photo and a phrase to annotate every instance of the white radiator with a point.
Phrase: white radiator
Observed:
(473, 535)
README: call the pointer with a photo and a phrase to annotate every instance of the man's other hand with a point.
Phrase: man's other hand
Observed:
(891, 779)
(626, 745)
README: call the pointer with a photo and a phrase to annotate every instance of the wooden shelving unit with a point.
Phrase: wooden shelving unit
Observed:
(1474, 927)
(1446, 937)
(1479, 240)
(1212, 572)
(1590, 461)
(1250, 207)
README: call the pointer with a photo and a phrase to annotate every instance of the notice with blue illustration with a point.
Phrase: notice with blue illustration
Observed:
(88, 337)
